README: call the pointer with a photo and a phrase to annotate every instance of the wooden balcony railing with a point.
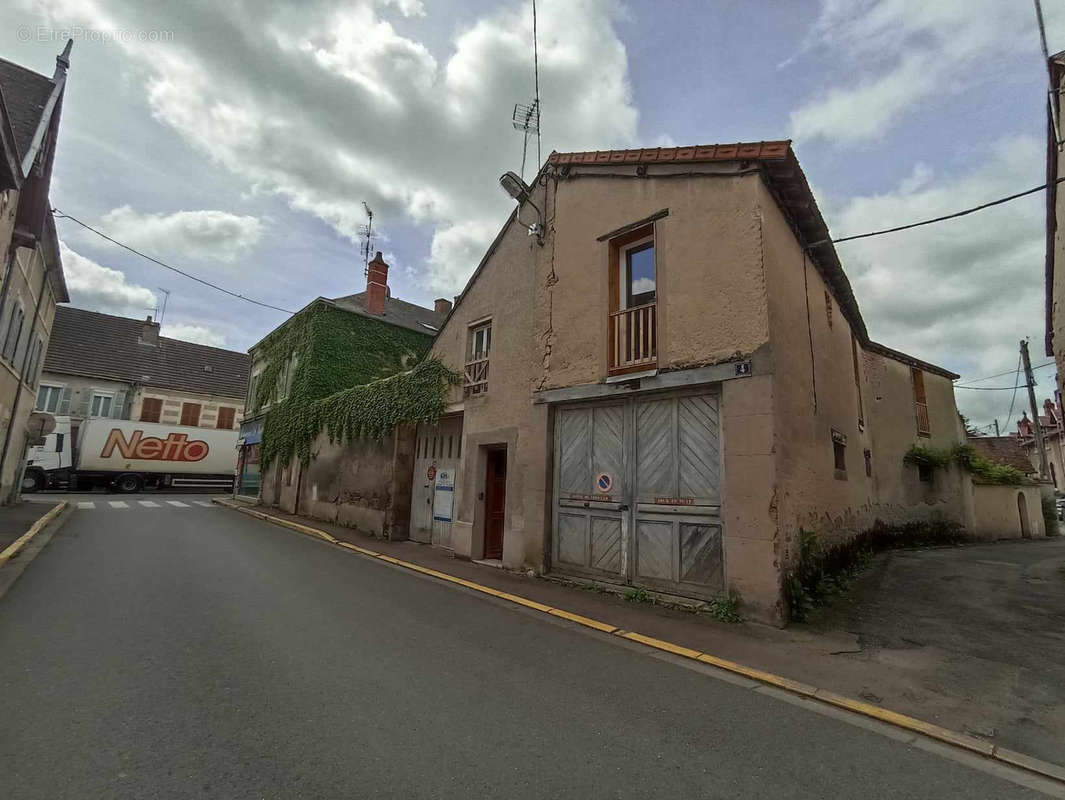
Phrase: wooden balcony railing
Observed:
(924, 428)
(475, 379)
(633, 338)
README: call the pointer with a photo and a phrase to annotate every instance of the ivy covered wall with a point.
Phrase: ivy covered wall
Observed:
(348, 375)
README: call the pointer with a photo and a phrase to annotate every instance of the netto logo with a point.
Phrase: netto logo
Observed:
(175, 447)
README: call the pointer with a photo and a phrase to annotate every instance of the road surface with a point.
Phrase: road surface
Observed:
(160, 647)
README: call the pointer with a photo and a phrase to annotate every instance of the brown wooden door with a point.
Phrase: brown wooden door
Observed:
(495, 494)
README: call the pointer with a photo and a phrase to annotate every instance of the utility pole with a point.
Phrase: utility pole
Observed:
(1044, 469)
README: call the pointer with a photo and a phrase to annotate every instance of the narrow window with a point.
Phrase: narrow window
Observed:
(14, 332)
(640, 275)
(1053, 475)
(868, 462)
(458, 450)
(226, 416)
(450, 442)
(828, 307)
(920, 402)
(190, 414)
(839, 453)
(476, 375)
(151, 409)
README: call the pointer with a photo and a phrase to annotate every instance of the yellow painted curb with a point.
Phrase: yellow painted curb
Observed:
(12, 549)
(970, 743)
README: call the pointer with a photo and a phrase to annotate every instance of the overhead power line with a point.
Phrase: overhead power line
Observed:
(943, 218)
(963, 385)
(164, 265)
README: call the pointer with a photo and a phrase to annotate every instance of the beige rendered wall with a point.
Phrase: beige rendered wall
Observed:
(815, 392)
(998, 512)
(550, 309)
(26, 280)
(711, 292)
(508, 291)
(1057, 321)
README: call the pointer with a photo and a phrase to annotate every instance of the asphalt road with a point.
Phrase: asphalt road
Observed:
(189, 651)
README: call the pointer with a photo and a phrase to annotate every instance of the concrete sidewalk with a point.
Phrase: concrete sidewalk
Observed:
(949, 689)
(17, 518)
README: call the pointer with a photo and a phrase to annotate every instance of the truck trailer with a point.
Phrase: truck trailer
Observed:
(126, 456)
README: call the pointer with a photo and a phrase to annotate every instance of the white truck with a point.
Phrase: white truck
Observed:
(127, 456)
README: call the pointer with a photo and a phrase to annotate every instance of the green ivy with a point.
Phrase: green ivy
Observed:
(984, 468)
(368, 411)
(353, 376)
(967, 457)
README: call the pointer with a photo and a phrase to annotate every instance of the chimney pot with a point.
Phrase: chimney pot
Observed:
(376, 285)
(442, 306)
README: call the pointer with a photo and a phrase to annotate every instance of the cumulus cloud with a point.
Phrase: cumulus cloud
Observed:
(206, 234)
(327, 105)
(103, 289)
(190, 332)
(896, 54)
(961, 293)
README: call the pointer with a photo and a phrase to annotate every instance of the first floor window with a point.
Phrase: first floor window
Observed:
(190, 414)
(102, 405)
(151, 409)
(226, 415)
(48, 398)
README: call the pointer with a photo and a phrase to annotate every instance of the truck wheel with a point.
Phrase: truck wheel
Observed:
(32, 481)
(128, 484)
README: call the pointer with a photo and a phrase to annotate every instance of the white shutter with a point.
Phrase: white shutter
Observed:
(81, 408)
(118, 410)
(64, 403)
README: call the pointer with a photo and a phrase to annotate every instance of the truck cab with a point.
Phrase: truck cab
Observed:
(44, 459)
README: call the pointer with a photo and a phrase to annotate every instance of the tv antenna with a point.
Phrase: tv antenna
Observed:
(526, 118)
(366, 231)
(160, 313)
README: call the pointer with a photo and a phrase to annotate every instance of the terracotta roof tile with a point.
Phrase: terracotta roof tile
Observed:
(774, 150)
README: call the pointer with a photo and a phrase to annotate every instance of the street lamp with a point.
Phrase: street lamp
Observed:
(516, 188)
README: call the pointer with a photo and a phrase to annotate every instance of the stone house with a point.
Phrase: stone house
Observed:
(32, 282)
(667, 378)
(1050, 422)
(102, 365)
(328, 346)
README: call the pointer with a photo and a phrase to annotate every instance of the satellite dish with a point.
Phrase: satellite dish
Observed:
(40, 424)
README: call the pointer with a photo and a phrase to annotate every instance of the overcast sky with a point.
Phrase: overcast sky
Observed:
(238, 140)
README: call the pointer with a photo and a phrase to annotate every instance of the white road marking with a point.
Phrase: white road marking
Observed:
(118, 504)
(148, 503)
(205, 503)
(86, 504)
(177, 503)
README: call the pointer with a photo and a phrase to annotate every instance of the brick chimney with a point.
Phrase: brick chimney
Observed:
(377, 285)
(442, 306)
(150, 332)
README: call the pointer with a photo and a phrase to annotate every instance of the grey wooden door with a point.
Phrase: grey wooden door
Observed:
(677, 511)
(591, 490)
(637, 493)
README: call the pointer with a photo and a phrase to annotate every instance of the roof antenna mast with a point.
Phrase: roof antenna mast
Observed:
(367, 239)
(526, 118)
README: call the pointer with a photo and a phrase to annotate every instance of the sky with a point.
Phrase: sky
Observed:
(239, 141)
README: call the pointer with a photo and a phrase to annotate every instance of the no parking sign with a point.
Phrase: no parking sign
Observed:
(604, 482)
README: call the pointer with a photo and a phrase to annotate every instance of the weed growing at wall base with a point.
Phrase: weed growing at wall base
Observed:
(823, 572)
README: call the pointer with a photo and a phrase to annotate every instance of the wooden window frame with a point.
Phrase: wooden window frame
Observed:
(617, 251)
(920, 403)
(477, 362)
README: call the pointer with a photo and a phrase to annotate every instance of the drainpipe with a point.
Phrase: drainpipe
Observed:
(15, 486)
